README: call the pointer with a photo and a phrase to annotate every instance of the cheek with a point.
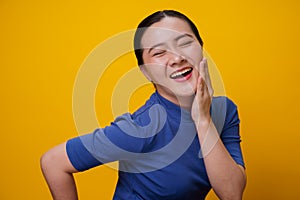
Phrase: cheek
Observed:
(145, 58)
(195, 54)
(157, 61)
(154, 71)
(149, 60)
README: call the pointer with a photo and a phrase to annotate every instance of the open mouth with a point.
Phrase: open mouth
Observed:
(181, 73)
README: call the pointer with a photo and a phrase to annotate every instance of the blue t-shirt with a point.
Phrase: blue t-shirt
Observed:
(158, 150)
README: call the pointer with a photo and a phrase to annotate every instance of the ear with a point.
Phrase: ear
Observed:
(145, 72)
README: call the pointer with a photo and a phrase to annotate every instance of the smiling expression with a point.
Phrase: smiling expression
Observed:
(171, 55)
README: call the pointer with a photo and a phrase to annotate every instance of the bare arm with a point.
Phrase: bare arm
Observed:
(57, 171)
(227, 178)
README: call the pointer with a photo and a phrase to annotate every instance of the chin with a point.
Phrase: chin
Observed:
(188, 92)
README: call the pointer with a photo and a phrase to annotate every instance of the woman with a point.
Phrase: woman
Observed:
(158, 146)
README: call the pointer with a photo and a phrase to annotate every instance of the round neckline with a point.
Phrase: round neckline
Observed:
(174, 109)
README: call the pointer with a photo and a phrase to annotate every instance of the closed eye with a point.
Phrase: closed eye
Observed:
(158, 52)
(186, 43)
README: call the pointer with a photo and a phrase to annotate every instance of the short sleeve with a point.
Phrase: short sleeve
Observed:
(231, 133)
(79, 156)
(112, 143)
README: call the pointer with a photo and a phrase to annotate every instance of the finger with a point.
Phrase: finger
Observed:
(207, 77)
(202, 68)
(201, 85)
(204, 72)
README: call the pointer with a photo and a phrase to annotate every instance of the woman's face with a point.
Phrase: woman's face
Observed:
(171, 55)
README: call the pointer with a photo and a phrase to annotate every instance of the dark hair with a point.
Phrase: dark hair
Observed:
(153, 18)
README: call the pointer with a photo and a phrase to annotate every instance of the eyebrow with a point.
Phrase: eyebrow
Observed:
(176, 39)
(153, 47)
(183, 35)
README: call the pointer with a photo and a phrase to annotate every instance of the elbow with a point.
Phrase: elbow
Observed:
(56, 161)
(233, 190)
(234, 193)
(51, 159)
(45, 161)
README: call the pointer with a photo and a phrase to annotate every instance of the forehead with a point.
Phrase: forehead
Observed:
(165, 30)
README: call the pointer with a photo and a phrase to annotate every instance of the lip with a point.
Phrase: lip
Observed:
(183, 78)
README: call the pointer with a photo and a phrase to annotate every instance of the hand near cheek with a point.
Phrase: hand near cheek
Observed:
(203, 70)
(201, 106)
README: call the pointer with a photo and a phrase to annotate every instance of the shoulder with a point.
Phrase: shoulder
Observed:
(151, 111)
(143, 123)
(224, 101)
(224, 112)
(225, 104)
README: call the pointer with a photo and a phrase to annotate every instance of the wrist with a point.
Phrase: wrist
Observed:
(203, 128)
(202, 123)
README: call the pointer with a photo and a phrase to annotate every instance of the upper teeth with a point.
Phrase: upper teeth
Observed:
(176, 74)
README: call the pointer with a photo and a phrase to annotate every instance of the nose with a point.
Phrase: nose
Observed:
(176, 59)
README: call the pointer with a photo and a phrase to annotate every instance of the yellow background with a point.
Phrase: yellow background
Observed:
(255, 45)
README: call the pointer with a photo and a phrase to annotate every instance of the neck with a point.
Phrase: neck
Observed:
(184, 102)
